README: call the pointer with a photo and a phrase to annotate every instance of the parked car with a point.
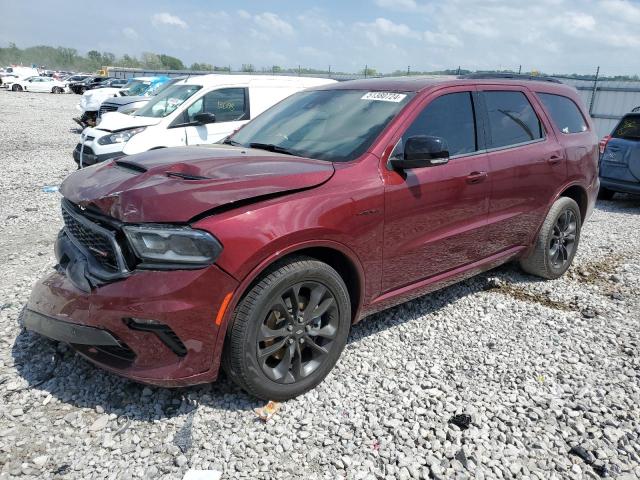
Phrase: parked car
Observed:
(6, 79)
(199, 110)
(74, 78)
(620, 158)
(92, 99)
(38, 84)
(339, 201)
(86, 84)
(129, 104)
(110, 83)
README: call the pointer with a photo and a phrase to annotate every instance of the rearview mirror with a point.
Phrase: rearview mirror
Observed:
(204, 118)
(422, 151)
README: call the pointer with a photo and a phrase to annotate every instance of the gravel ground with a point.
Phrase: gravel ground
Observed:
(539, 367)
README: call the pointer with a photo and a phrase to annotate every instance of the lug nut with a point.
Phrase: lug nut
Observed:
(290, 341)
(302, 340)
(289, 327)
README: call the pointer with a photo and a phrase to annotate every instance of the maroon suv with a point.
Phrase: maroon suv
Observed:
(260, 253)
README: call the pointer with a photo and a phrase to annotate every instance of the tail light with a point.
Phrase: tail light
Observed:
(603, 143)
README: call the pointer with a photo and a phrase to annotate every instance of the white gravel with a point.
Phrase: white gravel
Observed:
(540, 367)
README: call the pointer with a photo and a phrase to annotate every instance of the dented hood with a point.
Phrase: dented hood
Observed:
(177, 184)
(113, 121)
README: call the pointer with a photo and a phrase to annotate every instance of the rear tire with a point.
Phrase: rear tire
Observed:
(605, 194)
(288, 330)
(56, 90)
(557, 241)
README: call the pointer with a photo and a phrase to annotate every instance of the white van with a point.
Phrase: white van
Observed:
(195, 111)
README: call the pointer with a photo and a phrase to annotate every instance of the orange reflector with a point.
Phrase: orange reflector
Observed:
(223, 308)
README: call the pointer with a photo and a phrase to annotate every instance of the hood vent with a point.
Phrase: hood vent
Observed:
(130, 166)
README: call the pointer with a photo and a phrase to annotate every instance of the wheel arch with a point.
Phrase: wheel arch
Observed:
(334, 254)
(578, 194)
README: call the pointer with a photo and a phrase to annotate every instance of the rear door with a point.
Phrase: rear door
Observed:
(621, 158)
(229, 105)
(435, 217)
(526, 162)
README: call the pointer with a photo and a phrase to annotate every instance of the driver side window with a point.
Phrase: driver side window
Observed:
(450, 117)
(227, 104)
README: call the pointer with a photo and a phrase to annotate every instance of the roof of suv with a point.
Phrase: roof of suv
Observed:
(418, 83)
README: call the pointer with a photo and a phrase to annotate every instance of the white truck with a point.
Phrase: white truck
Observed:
(195, 111)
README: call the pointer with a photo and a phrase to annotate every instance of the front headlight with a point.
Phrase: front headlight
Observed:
(173, 245)
(120, 137)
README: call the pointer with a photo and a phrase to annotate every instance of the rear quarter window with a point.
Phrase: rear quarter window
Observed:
(564, 113)
(629, 127)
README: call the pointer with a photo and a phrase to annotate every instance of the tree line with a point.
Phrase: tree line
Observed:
(64, 58)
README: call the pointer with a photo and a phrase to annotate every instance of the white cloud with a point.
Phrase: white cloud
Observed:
(273, 23)
(130, 33)
(165, 18)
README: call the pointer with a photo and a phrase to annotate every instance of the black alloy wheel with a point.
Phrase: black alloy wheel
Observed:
(296, 335)
(563, 239)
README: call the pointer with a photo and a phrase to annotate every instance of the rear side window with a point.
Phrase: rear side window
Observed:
(449, 117)
(227, 104)
(629, 127)
(512, 119)
(564, 112)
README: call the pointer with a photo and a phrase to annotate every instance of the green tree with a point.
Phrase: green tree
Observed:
(171, 63)
(248, 67)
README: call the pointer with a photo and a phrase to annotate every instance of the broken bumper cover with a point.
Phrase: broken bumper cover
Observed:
(87, 157)
(104, 324)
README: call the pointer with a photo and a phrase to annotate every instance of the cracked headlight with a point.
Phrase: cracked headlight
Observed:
(174, 247)
(120, 137)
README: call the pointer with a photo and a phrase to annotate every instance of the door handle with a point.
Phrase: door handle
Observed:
(476, 177)
(554, 159)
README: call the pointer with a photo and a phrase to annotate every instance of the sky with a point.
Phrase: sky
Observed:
(552, 36)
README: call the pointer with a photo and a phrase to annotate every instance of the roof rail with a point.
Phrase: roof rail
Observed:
(508, 76)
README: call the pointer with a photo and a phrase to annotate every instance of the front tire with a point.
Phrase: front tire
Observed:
(16, 88)
(557, 241)
(288, 330)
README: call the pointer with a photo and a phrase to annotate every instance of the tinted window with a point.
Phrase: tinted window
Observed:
(227, 104)
(450, 117)
(629, 127)
(565, 114)
(512, 119)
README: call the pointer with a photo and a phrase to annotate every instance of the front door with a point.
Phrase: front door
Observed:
(435, 217)
(229, 105)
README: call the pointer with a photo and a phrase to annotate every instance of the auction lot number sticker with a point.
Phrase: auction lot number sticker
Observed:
(384, 96)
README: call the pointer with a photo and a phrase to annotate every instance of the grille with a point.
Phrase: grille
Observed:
(107, 108)
(96, 242)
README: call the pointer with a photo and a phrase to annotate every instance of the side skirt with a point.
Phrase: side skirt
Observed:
(443, 280)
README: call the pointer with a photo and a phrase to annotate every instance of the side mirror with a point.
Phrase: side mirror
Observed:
(422, 151)
(204, 118)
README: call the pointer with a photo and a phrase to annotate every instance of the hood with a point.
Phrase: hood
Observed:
(92, 99)
(174, 185)
(126, 100)
(113, 121)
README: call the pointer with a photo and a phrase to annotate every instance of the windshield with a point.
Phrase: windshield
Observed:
(628, 128)
(166, 102)
(136, 87)
(334, 125)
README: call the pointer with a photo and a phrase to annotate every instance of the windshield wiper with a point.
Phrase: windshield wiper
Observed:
(271, 148)
(228, 141)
